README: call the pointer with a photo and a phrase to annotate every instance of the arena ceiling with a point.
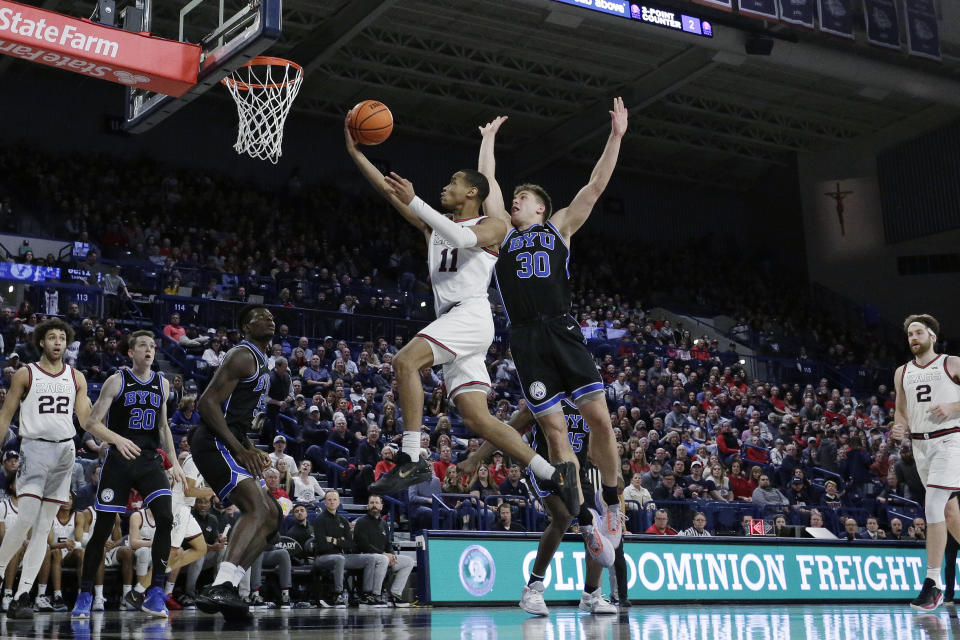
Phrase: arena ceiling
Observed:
(701, 111)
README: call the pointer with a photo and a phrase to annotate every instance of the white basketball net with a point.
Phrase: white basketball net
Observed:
(264, 90)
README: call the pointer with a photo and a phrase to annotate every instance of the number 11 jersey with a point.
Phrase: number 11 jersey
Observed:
(135, 409)
(458, 275)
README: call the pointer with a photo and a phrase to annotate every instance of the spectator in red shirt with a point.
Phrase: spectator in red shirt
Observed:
(727, 444)
(741, 486)
(661, 525)
(173, 330)
(272, 477)
(386, 463)
(440, 466)
(498, 470)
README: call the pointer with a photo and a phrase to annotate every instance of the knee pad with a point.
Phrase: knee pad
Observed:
(936, 504)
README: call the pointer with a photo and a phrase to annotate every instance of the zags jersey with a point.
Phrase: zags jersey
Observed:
(533, 273)
(458, 274)
(135, 409)
(925, 387)
(47, 408)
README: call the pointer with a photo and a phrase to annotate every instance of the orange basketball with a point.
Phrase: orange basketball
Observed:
(370, 122)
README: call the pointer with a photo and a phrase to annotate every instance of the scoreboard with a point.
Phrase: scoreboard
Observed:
(648, 14)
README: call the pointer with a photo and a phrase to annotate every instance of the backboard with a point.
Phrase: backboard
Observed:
(229, 32)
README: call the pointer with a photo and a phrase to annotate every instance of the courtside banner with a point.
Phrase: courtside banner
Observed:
(91, 49)
(488, 569)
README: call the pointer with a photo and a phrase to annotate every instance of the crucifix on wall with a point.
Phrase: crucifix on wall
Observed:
(839, 195)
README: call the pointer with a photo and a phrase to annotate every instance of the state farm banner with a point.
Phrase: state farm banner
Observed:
(923, 30)
(836, 17)
(759, 8)
(883, 27)
(798, 12)
(82, 46)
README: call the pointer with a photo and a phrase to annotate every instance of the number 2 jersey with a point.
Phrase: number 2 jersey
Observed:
(925, 387)
(135, 409)
(46, 411)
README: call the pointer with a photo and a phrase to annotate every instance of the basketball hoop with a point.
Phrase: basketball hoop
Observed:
(263, 89)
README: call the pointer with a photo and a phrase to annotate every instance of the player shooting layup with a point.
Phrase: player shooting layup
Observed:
(461, 255)
(928, 409)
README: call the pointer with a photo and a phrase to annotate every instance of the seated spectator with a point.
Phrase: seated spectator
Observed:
(286, 478)
(446, 460)
(505, 519)
(279, 452)
(336, 552)
(436, 403)
(661, 524)
(873, 530)
(718, 485)
(214, 354)
(372, 536)
(698, 530)
(513, 485)
(766, 495)
(272, 478)
(300, 530)
(851, 530)
(896, 530)
(638, 463)
(831, 496)
(314, 430)
(653, 477)
(420, 500)
(306, 489)
(636, 492)
(316, 377)
(498, 470)
(173, 330)
(387, 462)
(918, 529)
(728, 447)
(694, 486)
(741, 486)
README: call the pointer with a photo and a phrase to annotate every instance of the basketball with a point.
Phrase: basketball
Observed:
(371, 122)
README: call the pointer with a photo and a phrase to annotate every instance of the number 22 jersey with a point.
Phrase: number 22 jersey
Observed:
(46, 412)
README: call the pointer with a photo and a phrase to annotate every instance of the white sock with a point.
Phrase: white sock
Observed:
(541, 468)
(41, 589)
(410, 444)
(98, 590)
(168, 588)
(934, 574)
(127, 588)
(58, 593)
(226, 573)
(139, 588)
(240, 574)
(8, 592)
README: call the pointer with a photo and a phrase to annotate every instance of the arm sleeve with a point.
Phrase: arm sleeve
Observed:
(449, 230)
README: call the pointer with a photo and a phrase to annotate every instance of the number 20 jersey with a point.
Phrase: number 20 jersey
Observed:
(925, 387)
(135, 409)
(46, 411)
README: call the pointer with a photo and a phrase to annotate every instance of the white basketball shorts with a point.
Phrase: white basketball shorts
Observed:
(460, 339)
(938, 461)
(45, 470)
(185, 527)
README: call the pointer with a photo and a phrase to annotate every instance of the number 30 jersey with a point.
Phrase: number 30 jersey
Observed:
(135, 409)
(533, 274)
(46, 411)
(925, 387)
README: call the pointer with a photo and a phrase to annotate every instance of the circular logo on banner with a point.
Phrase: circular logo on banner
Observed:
(106, 495)
(538, 390)
(477, 570)
(126, 77)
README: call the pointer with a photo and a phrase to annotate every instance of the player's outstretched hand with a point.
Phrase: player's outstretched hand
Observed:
(126, 448)
(618, 118)
(491, 128)
(400, 188)
(351, 143)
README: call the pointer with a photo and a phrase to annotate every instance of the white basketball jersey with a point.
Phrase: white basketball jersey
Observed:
(148, 526)
(925, 387)
(8, 514)
(63, 531)
(190, 471)
(93, 522)
(458, 274)
(46, 412)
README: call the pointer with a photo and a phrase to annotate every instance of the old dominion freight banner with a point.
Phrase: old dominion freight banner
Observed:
(493, 569)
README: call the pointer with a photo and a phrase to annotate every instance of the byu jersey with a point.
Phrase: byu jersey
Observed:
(458, 274)
(247, 397)
(533, 274)
(135, 409)
(925, 387)
(46, 411)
